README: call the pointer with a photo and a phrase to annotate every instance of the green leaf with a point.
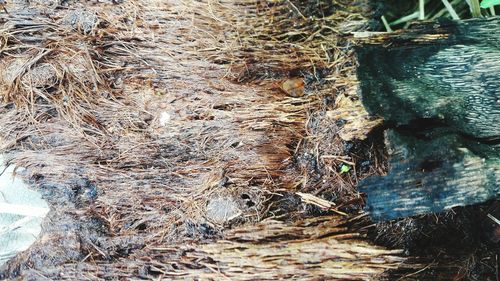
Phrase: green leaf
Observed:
(489, 3)
(344, 169)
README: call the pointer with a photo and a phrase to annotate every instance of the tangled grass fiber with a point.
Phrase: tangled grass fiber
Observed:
(133, 117)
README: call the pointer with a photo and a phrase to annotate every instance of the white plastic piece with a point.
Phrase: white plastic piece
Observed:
(21, 213)
(164, 118)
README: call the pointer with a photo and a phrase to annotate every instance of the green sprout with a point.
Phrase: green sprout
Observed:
(344, 169)
(485, 4)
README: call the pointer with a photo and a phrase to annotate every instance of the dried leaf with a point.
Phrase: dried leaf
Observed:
(294, 87)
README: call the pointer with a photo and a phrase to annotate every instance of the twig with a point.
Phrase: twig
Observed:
(296, 9)
(406, 18)
(421, 9)
(386, 24)
(497, 221)
(450, 9)
(475, 9)
(416, 272)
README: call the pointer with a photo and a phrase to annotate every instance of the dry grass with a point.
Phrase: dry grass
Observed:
(129, 195)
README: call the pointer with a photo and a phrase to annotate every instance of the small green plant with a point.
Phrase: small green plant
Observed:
(344, 169)
(401, 16)
(485, 4)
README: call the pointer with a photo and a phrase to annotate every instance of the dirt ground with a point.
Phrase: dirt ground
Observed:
(173, 140)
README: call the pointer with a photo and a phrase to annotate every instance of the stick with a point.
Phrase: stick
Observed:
(450, 9)
(421, 7)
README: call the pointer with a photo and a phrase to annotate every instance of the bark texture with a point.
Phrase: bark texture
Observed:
(437, 86)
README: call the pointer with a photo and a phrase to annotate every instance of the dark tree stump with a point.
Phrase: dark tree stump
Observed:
(438, 87)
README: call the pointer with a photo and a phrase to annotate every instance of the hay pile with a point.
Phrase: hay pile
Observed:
(138, 120)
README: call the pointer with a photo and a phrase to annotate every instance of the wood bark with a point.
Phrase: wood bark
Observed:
(431, 172)
(437, 87)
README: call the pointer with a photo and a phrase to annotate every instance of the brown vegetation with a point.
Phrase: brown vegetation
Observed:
(137, 119)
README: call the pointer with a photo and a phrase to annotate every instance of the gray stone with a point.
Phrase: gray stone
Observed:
(222, 209)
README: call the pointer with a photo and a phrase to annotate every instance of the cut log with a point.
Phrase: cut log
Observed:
(437, 86)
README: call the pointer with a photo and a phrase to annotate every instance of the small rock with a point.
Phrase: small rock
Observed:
(220, 210)
(82, 20)
(41, 76)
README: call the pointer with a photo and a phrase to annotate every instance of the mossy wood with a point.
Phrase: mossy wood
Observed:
(437, 85)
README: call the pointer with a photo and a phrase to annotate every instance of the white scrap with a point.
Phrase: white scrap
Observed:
(164, 118)
(21, 213)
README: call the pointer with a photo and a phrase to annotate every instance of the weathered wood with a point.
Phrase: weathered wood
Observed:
(438, 87)
(432, 172)
(447, 71)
